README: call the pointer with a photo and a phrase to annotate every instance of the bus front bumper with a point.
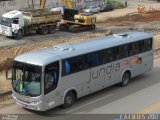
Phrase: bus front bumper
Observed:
(35, 105)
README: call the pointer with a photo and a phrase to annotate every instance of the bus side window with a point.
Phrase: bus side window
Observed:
(150, 44)
(116, 53)
(72, 65)
(137, 47)
(126, 48)
(67, 67)
(76, 63)
(48, 81)
(123, 51)
(92, 59)
(146, 45)
(107, 55)
(51, 77)
(134, 48)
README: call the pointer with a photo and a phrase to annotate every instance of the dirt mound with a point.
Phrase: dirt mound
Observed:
(145, 17)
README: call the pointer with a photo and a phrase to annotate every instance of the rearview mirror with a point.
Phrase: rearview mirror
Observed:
(8, 74)
(8, 70)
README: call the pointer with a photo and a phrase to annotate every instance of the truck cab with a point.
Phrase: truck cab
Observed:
(10, 22)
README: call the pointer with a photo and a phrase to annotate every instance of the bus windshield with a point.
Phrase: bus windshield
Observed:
(27, 79)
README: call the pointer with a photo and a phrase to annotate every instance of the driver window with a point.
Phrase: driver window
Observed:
(51, 77)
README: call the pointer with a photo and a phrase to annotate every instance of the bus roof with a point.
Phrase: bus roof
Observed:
(62, 51)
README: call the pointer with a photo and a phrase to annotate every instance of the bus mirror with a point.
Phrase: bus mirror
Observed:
(8, 70)
(8, 74)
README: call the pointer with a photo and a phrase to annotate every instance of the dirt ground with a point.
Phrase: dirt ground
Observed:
(143, 22)
(132, 21)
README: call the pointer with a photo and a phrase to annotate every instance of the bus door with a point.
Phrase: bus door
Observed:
(51, 78)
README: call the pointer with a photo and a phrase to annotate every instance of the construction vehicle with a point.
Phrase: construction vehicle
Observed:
(26, 21)
(73, 20)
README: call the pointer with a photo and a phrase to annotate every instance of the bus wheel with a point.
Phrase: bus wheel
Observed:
(69, 100)
(125, 79)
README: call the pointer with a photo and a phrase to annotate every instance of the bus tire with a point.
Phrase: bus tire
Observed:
(69, 99)
(125, 79)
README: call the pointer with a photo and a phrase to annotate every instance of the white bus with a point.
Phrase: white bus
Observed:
(59, 75)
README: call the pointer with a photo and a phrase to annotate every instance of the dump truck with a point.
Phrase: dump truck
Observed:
(22, 22)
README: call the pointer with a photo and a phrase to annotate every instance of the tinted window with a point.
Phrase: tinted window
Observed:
(72, 65)
(122, 51)
(69, 14)
(108, 55)
(51, 77)
(146, 45)
(78, 63)
(134, 48)
(92, 59)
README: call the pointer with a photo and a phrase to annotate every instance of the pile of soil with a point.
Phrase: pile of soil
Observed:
(145, 17)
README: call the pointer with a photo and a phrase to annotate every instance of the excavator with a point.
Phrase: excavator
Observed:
(74, 21)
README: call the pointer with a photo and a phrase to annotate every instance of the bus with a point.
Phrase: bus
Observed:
(46, 78)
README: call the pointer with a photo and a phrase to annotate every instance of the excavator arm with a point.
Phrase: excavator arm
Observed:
(42, 4)
(69, 3)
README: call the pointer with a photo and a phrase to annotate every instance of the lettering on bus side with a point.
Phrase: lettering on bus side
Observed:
(110, 68)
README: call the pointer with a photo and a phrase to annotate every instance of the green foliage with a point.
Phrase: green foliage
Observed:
(115, 4)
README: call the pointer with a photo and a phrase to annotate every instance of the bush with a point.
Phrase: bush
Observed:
(116, 4)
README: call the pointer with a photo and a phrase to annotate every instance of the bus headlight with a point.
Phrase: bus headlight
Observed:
(36, 102)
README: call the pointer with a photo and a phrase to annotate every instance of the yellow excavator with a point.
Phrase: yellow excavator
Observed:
(74, 21)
